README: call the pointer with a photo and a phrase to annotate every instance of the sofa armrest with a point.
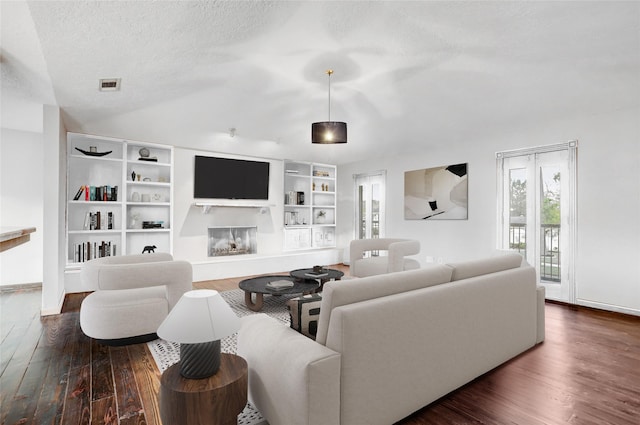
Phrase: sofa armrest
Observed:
(292, 379)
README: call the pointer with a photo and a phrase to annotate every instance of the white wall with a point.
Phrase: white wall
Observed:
(54, 166)
(608, 253)
(21, 203)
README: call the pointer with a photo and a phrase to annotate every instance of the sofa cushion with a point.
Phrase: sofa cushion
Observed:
(467, 269)
(304, 312)
(337, 293)
(123, 314)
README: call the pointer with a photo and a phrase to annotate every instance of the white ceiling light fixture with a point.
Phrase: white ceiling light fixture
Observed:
(329, 132)
(109, 84)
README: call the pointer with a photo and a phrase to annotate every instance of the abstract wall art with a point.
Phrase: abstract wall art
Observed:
(439, 193)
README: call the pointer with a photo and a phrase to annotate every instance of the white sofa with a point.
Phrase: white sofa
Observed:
(395, 260)
(390, 344)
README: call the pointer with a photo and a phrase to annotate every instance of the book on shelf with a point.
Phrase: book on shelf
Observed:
(78, 193)
(86, 251)
(279, 285)
(104, 193)
(98, 221)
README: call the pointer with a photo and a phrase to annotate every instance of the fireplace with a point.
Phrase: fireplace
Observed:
(232, 241)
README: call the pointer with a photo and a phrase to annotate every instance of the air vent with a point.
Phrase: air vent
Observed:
(109, 84)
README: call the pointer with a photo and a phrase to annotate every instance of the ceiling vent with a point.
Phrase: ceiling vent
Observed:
(109, 84)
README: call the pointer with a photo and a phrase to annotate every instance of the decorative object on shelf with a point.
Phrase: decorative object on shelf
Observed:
(153, 224)
(135, 197)
(320, 216)
(157, 197)
(93, 153)
(199, 345)
(133, 176)
(329, 132)
(144, 155)
(149, 249)
(145, 197)
(146, 179)
(134, 220)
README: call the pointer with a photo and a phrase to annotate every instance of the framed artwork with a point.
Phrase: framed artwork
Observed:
(439, 193)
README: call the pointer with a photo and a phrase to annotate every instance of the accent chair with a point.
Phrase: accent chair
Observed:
(395, 260)
(133, 295)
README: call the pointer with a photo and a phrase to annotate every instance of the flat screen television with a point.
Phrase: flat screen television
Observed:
(227, 178)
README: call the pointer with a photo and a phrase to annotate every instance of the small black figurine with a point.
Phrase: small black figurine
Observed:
(149, 249)
(133, 175)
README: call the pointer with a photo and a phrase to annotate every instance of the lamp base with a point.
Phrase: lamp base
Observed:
(199, 361)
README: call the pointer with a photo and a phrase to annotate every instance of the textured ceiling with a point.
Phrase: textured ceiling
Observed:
(408, 75)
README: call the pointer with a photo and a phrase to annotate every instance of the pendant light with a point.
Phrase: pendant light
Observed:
(329, 132)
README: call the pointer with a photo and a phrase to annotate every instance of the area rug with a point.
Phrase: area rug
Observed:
(167, 353)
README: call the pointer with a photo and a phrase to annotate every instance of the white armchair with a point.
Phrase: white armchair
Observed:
(133, 295)
(394, 261)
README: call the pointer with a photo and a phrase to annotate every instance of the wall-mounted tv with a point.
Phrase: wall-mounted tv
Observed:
(227, 178)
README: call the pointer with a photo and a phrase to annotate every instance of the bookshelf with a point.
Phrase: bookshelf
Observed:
(309, 205)
(117, 203)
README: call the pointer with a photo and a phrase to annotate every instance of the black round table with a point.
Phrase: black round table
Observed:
(325, 275)
(258, 286)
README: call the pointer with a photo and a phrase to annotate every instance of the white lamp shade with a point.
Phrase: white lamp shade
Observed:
(199, 316)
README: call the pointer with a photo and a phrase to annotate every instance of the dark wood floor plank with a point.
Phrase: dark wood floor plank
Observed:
(19, 380)
(77, 406)
(130, 409)
(59, 332)
(148, 380)
(80, 345)
(101, 373)
(104, 411)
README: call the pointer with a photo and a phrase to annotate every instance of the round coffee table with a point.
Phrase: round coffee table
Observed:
(307, 274)
(258, 286)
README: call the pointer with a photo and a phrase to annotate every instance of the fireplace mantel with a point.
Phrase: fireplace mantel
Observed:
(208, 205)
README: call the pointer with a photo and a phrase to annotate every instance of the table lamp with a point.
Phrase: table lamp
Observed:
(198, 321)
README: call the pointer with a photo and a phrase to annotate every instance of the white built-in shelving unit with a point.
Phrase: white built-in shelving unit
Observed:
(309, 205)
(138, 191)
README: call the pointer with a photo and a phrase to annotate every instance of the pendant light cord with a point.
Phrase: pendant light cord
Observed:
(329, 72)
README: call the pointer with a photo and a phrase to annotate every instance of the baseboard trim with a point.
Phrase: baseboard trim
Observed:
(598, 309)
(20, 287)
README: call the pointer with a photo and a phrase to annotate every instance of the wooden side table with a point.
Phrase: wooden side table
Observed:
(214, 400)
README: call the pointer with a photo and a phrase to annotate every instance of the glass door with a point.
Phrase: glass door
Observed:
(370, 205)
(537, 213)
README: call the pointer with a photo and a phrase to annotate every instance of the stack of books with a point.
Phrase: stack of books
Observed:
(279, 285)
(318, 274)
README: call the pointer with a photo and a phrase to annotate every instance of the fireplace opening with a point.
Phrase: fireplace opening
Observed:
(235, 240)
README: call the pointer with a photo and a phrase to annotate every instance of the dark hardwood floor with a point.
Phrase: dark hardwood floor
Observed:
(586, 372)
